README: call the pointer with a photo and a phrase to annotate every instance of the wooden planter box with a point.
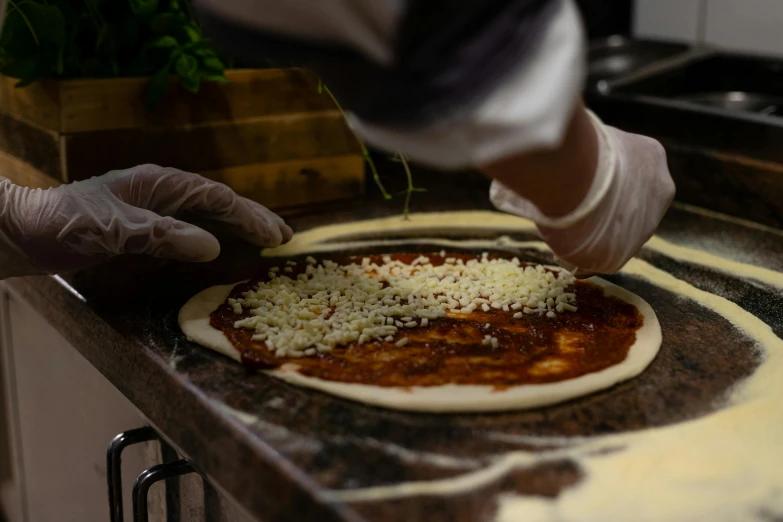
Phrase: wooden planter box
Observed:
(267, 133)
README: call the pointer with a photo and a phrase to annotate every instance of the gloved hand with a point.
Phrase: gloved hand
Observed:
(128, 211)
(630, 193)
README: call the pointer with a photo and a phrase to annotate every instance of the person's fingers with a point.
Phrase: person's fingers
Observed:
(274, 221)
(583, 274)
(288, 233)
(565, 264)
(255, 223)
(170, 191)
(168, 238)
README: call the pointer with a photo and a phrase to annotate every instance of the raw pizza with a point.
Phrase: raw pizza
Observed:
(438, 332)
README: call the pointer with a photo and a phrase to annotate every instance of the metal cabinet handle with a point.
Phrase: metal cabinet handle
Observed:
(149, 477)
(114, 465)
(114, 470)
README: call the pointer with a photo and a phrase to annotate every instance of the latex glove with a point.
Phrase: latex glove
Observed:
(630, 193)
(129, 211)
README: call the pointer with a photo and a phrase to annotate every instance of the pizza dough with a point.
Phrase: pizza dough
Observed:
(194, 320)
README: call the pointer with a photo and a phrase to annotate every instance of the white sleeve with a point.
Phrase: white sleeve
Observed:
(528, 111)
(367, 26)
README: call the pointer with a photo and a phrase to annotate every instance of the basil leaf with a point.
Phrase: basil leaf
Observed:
(46, 20)
(16, 38)
(205, 53)
(158, 86)
(21, 68)
(191, 33)
(213, 64)
(190, 83)
(165, 23)
(143, 8)
(163, 42)
(212, 77)
(59, 66)
(186, 66)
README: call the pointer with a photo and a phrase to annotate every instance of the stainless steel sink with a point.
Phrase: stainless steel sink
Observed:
(708, 100)
(617, 56)
(732, 82)
(741, 101)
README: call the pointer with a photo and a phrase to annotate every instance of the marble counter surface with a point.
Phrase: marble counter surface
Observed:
(282, 451)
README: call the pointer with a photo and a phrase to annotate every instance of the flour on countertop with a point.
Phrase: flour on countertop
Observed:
(725, 466)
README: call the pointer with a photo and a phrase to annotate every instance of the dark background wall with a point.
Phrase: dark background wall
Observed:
(606, 17)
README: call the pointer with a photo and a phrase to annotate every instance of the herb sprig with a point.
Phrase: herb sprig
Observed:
(399, 158)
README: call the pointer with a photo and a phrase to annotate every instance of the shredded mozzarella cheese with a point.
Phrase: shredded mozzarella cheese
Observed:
(330, 305)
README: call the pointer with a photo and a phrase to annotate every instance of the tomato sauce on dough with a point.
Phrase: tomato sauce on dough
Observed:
(449, 350)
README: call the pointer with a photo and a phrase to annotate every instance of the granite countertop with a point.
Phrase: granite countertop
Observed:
(277, 448)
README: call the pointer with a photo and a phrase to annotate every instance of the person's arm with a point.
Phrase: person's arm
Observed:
(448, 83)
(631, 189)
(556, 180)
(494, 85)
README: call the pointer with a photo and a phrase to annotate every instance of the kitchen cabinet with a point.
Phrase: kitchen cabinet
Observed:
(59, 415)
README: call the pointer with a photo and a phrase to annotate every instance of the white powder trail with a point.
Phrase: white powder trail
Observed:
(726, 466)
